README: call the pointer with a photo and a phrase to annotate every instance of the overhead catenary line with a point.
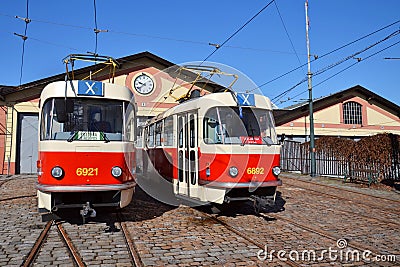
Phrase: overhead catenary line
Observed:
(237, 31)
(95, 26)
(287, 33)
(352, 56)
(348, 67)
(326, 54)
(153, 37)
(96, 29)
(24, 38)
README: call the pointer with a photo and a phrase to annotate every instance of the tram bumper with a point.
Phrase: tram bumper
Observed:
(51, 198)
(262, 194)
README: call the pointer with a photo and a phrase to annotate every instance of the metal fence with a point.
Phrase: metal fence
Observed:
(295, 157)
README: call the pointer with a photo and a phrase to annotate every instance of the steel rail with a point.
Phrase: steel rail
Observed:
(130, 244)
(17, 197)
(247, 238)
(388, 221)
(342, 189)
(354, 244)
(38, 244)
(313, 191)
(74, 253)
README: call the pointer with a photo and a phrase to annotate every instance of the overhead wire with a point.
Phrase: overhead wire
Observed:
(95, 26)
(348, 67)
(287, 33)
(172, 39)
(326, 54)
(24, 38)
(358, 61)
(318, 72)
(237, 31)
(155, 36)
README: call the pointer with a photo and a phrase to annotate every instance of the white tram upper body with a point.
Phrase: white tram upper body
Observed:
(86, 146)
(216, 148)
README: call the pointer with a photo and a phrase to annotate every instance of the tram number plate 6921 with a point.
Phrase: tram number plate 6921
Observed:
(87, 171)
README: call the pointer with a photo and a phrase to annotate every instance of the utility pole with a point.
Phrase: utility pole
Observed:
(310, 100)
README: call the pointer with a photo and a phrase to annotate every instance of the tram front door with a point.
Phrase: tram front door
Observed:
(188, 166)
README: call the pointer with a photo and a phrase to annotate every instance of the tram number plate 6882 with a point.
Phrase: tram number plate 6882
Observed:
(87, 171)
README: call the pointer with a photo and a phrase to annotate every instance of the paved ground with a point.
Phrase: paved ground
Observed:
(313, 225)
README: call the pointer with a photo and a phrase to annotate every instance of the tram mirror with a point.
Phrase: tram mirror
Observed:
(212, 123)
(282, 138)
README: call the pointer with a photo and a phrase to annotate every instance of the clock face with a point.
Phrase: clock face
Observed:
(143, 84)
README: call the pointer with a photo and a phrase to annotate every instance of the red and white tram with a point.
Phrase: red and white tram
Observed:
(86, 146)
(216, 148)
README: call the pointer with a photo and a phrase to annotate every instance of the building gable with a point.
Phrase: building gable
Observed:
(355, 112)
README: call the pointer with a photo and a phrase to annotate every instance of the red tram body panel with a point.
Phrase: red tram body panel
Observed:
(86, 146)
(214, 149)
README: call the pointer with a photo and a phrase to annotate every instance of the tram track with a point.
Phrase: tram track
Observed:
(133, 251)
(2, 182)
(33, 254)
(38, 244)
(342, 189)
(317, 192)
(16, 197)
(247, 238)
(77, 259)
(354, 244)
(344, 211)
(74, 254)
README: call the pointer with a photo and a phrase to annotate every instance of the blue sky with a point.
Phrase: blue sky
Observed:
(180, 31)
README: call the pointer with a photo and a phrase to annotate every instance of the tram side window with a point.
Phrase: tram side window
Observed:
(158, 132)
(168, 131)
(130, 128)
(193, 135)
(150, 138)
(180, 127)
(139, 138)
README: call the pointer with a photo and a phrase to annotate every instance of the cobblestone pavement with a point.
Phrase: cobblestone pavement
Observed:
(184, 236)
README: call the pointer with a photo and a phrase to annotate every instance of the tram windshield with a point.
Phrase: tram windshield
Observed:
(82, 119)
(239, 125)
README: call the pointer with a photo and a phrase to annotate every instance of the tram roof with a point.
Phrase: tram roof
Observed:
(211, 100)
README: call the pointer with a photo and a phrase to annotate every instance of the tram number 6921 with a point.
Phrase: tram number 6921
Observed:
(255, 170)
(87, 171)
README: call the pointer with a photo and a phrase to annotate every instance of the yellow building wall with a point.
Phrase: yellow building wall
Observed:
(12, 126)
(377, 118)
(327, 122)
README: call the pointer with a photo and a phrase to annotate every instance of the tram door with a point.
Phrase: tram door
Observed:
(188, 166)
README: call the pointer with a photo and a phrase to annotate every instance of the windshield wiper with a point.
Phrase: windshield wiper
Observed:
(71, 137)
(106, 140)
(244, 141)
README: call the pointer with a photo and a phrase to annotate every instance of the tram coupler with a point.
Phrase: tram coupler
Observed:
(87, 211)
(262, 203)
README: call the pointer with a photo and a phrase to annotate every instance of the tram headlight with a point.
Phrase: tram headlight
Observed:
(116, 171)
(233, 171)
(57, 172)
(276, 170)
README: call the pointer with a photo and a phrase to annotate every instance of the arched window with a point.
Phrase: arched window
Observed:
(352, 113)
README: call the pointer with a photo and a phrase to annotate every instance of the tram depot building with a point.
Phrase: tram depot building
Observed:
(353, 113)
